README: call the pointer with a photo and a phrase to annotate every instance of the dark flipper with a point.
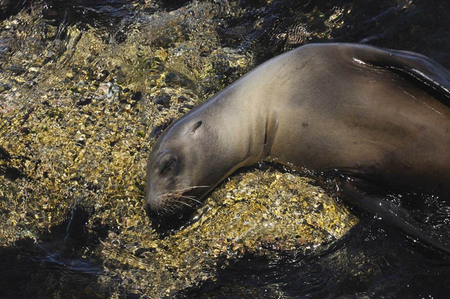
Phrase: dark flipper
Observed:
(393, 215)
(433, 77)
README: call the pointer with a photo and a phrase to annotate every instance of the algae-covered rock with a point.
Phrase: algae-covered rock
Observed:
(80, 109)
(258, 213)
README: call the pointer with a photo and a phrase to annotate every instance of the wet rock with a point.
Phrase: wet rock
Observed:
(182, 99)
(11, 173)
(162, 100)
(84, 102)
(4, 155)
(17, 70)
(137, 96)
(178, 79)
(103, 75)
(4, 87)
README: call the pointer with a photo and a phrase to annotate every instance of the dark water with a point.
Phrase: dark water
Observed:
(374, 260)
(53, 267)
(34, 271)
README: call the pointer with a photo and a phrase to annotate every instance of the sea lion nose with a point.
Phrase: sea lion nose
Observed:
(149, 211)
(153, 211)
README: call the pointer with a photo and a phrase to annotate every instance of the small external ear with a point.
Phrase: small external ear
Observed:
(196, 126)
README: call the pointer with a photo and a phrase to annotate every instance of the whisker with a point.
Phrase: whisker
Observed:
(192, 198)
(184, 203)
(173, 199)
(174, 191)
(200, 186)
(187, 188)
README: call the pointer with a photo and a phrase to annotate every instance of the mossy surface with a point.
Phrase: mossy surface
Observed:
(80, 108)
(258, 213)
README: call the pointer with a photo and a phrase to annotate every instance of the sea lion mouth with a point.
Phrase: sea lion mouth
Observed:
(165, 223)
(174, 209)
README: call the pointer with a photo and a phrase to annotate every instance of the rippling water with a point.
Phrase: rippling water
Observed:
(374, 260)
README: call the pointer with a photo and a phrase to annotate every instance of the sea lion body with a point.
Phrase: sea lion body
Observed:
(351, 109)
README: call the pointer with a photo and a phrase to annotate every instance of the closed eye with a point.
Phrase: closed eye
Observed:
(168, 165)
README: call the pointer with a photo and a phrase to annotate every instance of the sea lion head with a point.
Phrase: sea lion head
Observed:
(179, 171)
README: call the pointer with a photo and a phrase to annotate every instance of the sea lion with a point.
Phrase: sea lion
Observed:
(354, 110)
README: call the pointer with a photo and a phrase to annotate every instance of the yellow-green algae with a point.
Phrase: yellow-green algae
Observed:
(260, 213)
(76, 137)
(75, 119)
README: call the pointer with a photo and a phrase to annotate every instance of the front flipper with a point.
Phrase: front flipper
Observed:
(433, 77)
(391, 213)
